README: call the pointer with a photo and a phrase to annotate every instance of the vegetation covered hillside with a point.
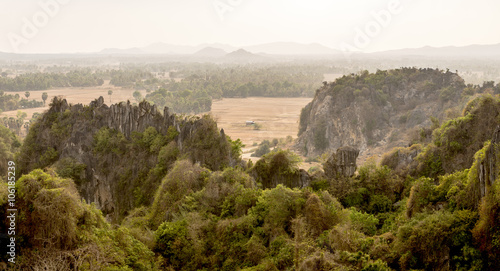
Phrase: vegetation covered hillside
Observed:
(117, 155)
(370, 110)
(185, 202)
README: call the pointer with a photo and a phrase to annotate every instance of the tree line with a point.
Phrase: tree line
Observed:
(43, 81)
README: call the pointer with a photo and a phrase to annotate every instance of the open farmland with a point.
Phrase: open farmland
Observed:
(278, 118)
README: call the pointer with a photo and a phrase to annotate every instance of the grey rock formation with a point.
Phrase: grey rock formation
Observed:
(99, 187)
(342, 163)
(299, 179)
(365, 115)
(402, 160)
(488, 167)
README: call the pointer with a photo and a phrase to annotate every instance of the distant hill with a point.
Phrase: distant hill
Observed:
(275, 48)
(210, 52)
(166, 48)
(241, 55)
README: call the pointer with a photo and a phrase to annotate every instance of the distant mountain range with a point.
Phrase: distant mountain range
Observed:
(292, 48)
(276, 48)
(218, 50)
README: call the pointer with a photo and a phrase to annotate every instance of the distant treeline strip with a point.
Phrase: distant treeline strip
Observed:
(43, 81)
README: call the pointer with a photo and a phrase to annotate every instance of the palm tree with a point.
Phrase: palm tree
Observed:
(110, 92)
(44, 97)
(27, 94)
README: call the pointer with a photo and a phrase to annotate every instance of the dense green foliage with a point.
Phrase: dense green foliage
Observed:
(188, 203)
(131, 78)
(57, 231)
(244, 81)
(182, 102)
(10, 102)
(457, 140)
(9, 145)
(112, 154)
(194, 93)
(42, 81)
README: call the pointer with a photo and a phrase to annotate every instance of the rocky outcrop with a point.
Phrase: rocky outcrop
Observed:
(102, 179)
(402, 160)
(488, 168)
(278, 169)
(375, 111)
(342, 163)
(299, 179)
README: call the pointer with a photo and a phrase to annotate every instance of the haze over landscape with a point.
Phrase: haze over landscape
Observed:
(249, 135)
(91, 26)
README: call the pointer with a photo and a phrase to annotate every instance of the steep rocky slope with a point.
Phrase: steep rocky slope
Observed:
(118, 154)
(369, 111)
(453, 145)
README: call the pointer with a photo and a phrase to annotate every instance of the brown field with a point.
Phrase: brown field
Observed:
(279, 118)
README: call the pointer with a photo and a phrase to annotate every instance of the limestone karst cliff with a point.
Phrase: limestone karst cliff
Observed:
(118, 154)
(342, 163)
(489, 165)
(368, 111)
(453, 145)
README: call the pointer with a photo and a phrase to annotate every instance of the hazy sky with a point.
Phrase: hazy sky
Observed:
(53, 26)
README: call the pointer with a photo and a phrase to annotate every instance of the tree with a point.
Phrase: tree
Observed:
(137, 96)
(27, 94)
(44, 97)
(110, 92)
(21, 115)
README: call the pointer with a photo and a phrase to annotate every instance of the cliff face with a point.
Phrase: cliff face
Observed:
(127, 169)
(368, 111)
(489, 167)
(342, 163)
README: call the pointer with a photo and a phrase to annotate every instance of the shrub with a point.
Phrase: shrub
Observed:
(363, 222)
(70, 168)
(261, 150)
(183, 179)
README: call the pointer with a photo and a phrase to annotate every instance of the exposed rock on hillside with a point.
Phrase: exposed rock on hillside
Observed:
(118, 154)
(342, 163)
(402, 160)
(488, 168)
(374, 110)
(455, 143)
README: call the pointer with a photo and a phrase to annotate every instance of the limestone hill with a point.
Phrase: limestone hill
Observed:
(118, 154)
(376, 112)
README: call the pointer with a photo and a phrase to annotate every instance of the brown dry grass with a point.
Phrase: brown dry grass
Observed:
(279, 118)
